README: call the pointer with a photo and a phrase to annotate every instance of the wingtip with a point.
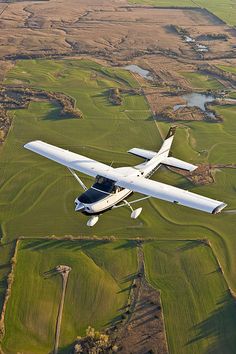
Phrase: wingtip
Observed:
(193, 168)
(219, 208)
(30, 143)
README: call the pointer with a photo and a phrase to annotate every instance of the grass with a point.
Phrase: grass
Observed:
(202, 81)
(228, 68)
(46, 182)
(225, 10)
(37, 196)
(97, 290)
(198, 309)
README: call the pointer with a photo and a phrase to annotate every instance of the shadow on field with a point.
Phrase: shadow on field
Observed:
(76, 245)
(190, 245)
(68, 349)
(55, 113)
(130, 277)
(219, 327)
(127, 245)
(3, 287)
(50, 273)
(104, 95)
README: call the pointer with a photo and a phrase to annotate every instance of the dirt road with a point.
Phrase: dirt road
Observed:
(64, 273)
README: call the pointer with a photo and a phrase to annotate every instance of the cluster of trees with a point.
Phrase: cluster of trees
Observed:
(20, 97)
(94, 343)
(115, 96)
(5, 123)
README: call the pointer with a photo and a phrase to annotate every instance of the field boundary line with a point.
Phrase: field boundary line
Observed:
(10, 280)
(110, 238)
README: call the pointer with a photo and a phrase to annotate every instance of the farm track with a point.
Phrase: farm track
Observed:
(64, 275)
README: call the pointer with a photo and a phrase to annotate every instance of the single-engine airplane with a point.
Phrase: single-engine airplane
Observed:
(113, 185)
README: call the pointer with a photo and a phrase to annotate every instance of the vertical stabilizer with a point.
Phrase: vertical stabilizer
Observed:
(165, 149)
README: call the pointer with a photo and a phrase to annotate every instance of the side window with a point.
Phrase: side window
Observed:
(99, 179)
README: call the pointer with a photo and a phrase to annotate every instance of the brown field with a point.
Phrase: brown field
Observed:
(118, 33)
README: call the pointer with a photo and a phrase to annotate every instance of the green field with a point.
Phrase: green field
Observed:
(201, 81)
(228, 68)
(225, 10)
(98, 287)
(37, 196)
(199, 312)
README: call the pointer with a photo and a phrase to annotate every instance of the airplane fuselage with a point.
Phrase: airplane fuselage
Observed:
(104, 194)
(100, 201)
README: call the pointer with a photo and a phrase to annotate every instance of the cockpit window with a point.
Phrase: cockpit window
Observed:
(91, 196)
(99, 190)
(105, 184)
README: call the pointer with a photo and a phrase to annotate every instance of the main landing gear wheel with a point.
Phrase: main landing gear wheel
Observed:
(135, 213)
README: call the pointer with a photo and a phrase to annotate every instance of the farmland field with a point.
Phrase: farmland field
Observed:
(204, 82)
(193, 291)
(228, 68)
(225, 10)
(38, 190)
(198, 308)
(100, 271)
(37, 197)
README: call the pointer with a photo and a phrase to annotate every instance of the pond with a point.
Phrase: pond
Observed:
(199, 47)
(202, 48)
(196, 100)
(137, 70)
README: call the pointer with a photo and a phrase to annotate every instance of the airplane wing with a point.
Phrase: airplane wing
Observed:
(72, 160)
(171, 194)
(137, 184)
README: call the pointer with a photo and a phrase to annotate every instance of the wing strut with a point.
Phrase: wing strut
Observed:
(77, 179)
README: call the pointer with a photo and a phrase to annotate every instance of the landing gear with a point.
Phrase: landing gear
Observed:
(135, 213)
(92, 221)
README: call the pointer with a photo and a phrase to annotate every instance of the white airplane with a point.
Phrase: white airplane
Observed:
(114, 185)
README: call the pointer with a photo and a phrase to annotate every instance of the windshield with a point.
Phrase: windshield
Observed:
(91, 196)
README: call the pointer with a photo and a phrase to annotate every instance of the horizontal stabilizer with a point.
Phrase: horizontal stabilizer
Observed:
(173, 162)
(146, 154)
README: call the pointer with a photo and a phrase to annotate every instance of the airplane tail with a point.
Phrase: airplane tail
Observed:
(162, 156)
(172, 161)
(165, 148)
